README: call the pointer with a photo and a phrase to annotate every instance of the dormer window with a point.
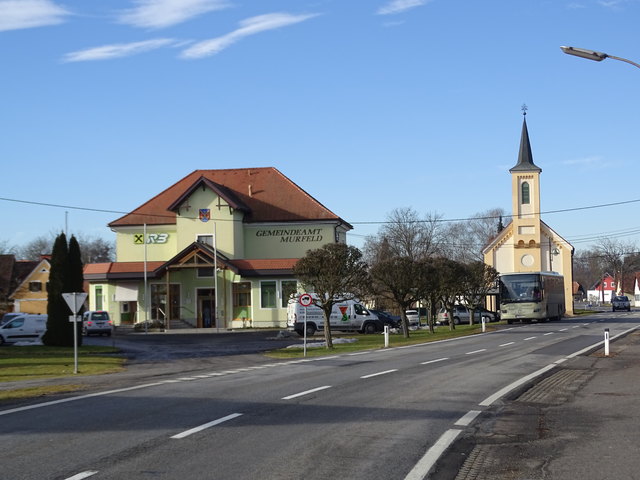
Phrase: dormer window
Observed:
(525, 193)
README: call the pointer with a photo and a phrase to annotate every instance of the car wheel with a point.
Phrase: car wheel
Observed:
(1, 340)
(311, 329)
(456, 320)
(370, 328)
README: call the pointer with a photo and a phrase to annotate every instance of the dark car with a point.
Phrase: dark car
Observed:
(386, 318)
(621, 302)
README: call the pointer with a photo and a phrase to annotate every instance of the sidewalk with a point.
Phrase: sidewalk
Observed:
(581, 422)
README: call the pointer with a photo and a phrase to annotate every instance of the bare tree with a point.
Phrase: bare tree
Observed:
(6, 248)
(451, 286)
(335, 273)
(33, 250)
(467, 238)
(618, 257)
(479, 279)
(400, 280)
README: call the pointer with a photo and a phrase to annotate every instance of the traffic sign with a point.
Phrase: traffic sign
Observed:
(305, 300)
(75, 300)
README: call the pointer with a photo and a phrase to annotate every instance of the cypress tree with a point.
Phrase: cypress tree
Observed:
(74, 279)
(59, 329)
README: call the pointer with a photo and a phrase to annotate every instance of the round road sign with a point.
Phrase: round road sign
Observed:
(305, 300)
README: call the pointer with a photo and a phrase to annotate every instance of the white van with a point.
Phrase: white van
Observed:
(25, 328)
(346, 316)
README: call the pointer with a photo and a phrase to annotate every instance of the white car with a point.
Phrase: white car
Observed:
(413, 317)
(25, 328)
(96, 323)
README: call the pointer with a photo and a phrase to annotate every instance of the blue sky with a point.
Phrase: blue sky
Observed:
(368, 105)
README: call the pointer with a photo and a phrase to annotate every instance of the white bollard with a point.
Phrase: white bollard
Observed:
(606, 342)
(483, 325)
(386, 336)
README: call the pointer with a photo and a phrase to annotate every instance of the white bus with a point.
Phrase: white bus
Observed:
(531, 296)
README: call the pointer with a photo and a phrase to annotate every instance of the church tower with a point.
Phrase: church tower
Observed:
(525, 187)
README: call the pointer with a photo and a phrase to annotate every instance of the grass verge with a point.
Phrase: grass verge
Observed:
(374, 342)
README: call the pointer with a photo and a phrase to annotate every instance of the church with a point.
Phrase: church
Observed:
(527, 244)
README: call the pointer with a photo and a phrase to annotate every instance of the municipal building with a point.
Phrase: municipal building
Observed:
(214, 250)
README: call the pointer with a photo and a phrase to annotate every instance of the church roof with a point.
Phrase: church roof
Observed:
(525, 157)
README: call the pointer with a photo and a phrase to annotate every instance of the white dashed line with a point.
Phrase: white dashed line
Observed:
(307, 392)
(467, 418)
(476, 351)
(434, 361)
(206, 425)
(429, 459)
(529, 338)
(81, 475)
(379, 373)
(549, 333)
(507, 344)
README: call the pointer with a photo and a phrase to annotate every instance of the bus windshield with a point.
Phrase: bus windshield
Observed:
(520, 288)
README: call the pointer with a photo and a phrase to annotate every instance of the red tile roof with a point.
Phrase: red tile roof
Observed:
(266, 193)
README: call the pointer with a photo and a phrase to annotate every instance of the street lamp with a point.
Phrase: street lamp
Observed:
(593, 55)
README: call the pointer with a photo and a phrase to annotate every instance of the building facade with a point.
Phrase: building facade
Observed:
(527, 244)
(214, 250)
(30, 293)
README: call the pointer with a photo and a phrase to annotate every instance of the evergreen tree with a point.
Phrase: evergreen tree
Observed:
(58, 325)
(74, 278)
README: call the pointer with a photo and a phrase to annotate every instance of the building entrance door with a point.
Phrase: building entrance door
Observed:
(206, 308)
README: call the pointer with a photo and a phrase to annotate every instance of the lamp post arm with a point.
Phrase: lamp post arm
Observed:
(624, 60)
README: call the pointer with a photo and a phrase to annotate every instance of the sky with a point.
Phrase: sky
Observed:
(368, 105)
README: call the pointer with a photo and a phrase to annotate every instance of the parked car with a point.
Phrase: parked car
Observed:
(386, 318)
(26, 327)
(96, 323)
(620, 302)
(461, 315)
(413, 317)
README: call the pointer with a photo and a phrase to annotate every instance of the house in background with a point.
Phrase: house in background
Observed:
(23, 284)
(603, 290)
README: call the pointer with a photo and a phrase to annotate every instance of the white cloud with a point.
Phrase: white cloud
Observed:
(19, 14)
(250, 26)
(116, 50)
(164, 13)
(399, 6)
(586, 161)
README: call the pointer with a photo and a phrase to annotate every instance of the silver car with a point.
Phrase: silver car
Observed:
(97, 323)
(620, 302)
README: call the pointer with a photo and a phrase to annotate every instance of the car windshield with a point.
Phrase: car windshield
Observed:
(621, 299)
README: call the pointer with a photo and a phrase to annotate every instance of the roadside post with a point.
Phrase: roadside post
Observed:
(305, 300)
(606, 342)
(386, 336)
(75, 301)
(483, 322)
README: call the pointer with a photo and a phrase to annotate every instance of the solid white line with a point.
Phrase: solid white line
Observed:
(379, 373)
(435, 361)
(306, 392)
(429, 459)
(503, 391)
(206, 425)
(81, 475)
(529, 338)
(476, 351)
(467, 418)
(82, 397)
(507, 344)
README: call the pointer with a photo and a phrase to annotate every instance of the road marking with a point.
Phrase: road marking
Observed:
(564, 329)
(549, 333)
(434, 361)
(429, 459)
(81, 475)
(307, 392)
(507, 344)
(379, 373)
(467, 418)
(503, 391)
(476, 351)
(206, 425)
(529, 338)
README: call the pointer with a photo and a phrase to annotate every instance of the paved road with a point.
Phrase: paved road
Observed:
(375, 415)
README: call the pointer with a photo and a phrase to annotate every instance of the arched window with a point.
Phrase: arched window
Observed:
(525, 193)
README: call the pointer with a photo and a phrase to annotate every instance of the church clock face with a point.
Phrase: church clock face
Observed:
(527, 260)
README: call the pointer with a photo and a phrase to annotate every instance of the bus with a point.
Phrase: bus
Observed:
(530, 296)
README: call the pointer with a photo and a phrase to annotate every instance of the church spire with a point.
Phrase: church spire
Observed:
(525, 157)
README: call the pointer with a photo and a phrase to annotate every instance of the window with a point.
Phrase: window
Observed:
(525, 193)
(268, 294)
(99, 298)
(35, 286)
(289, 287)
(205, 272)
(208, 239)
(242, 294)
